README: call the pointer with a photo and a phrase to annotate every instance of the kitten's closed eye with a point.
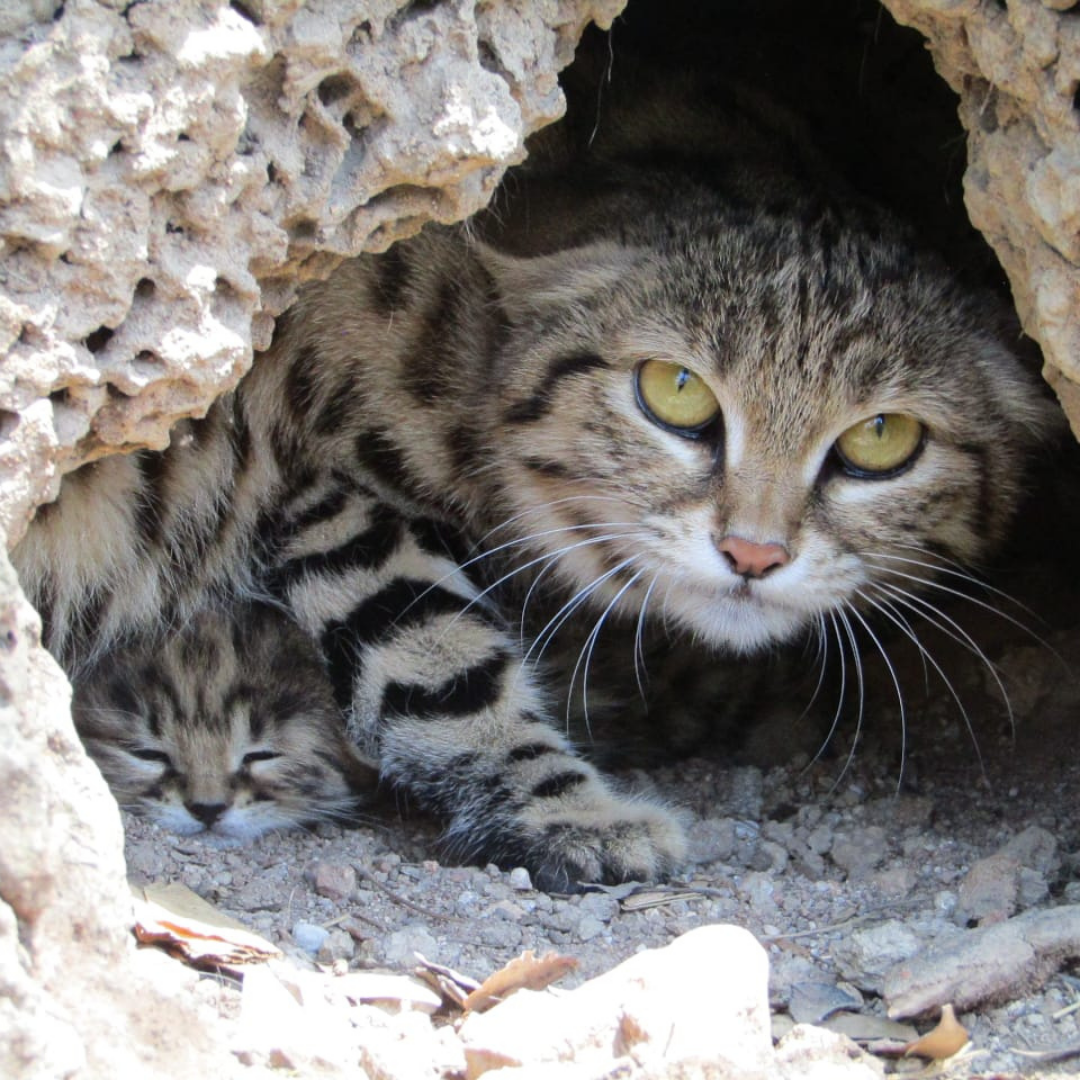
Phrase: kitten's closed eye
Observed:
(156, 756)
(259, 755)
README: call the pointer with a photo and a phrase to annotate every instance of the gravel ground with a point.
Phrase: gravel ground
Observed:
(840, 866)
(906, 832)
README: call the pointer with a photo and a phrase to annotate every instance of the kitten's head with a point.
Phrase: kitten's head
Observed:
(742, 420)
(227, 726)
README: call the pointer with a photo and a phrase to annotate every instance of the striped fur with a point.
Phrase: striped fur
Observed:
(228, 726)
(442, 464)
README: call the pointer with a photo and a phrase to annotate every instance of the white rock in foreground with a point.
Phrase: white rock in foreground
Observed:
(704, 997)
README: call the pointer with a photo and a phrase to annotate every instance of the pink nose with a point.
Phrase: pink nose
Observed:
(752, 560)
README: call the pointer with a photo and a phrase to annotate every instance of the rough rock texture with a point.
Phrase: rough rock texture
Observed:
(1016, 67)
(169, 171)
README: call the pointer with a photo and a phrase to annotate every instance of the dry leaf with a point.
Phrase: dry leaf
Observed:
(948, 1038)
(527, 972)
(864, 1028)
(452, 985)
(185, 925)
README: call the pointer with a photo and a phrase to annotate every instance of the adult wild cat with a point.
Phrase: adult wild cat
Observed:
(678, 376)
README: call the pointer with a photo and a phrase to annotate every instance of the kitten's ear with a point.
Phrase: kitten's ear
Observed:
(530, 285)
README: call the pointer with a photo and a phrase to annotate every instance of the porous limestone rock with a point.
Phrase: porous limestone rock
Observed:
(1016, 69)
(170, 170)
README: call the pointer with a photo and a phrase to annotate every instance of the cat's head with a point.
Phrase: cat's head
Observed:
(741, 421)
(227, 726)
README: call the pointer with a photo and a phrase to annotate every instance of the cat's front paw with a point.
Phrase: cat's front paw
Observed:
(626, 841)
(599, 838)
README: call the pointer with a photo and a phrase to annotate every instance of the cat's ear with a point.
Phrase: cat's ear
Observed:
(531, 285)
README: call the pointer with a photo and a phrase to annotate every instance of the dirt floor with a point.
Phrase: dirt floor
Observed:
(907, 834)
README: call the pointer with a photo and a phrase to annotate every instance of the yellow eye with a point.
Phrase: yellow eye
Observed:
(881, 445)
(674, 397)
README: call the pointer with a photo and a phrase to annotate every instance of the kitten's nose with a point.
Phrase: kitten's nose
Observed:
(207, 813)
(752, 560)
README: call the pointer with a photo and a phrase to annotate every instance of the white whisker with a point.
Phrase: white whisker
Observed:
(929, 583)
(550, 558)
(955, 570)
(918, 605)
(821, 660)
(641, 675)
(555, 623)
(896, 684)
(590, 644)
(543, 507)
(840, 696)
(889, 611)
(857, 662)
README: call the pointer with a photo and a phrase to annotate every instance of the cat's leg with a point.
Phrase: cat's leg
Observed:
(435, 690)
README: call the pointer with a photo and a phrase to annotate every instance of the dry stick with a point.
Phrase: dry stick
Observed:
(350, 915)
(367, 875)
(1064, 1054)
(1074, 1007)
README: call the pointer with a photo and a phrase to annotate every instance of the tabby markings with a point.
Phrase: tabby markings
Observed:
(539, 403)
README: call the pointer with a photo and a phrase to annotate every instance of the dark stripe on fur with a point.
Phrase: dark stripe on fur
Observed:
(153, 470)
(539, 402)
(403, 603)
(301, 385)
(464, 694)
(530, 752)
(558, 784)
(376, 453)
(391, 275)
(368, 550)
(427, 376)
(556, 470)
(337, 406)
(441, 539)
(463, 448)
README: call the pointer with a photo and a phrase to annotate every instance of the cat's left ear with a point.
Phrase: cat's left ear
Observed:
(530, 285)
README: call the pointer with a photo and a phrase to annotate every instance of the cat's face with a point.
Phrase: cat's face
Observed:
(741, 430)
(227, 727)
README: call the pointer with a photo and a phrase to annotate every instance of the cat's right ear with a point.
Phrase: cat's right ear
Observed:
(532, 285)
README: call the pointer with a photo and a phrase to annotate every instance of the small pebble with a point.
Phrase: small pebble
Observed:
(309, 936)
(335, 881)
(520, 880)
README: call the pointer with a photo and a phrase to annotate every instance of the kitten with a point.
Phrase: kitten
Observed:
(227, 726)
(679, 378)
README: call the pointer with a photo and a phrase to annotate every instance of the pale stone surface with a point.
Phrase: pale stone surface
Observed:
(169, 171)
(703, 997)
(1016, 68)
